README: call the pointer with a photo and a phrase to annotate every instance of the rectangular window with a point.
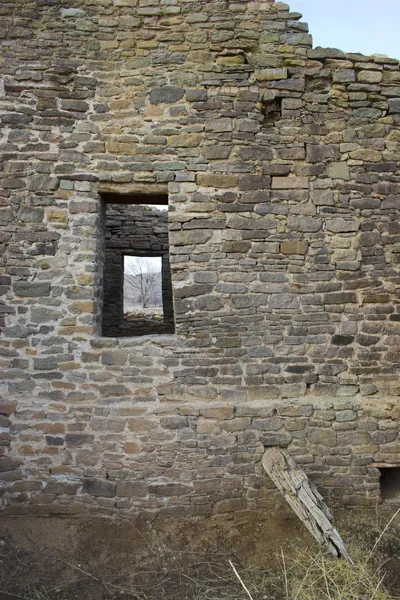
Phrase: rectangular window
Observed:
(390, 484)
(137, 297)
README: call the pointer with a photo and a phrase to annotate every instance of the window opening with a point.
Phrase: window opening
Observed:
(137, 298)
(390, 484)
(143, 288)
(272, 111)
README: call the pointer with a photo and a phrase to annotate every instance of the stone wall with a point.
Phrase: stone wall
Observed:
(139, 231)
(280, 162)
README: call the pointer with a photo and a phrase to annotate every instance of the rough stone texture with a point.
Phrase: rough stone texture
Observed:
(281, 166)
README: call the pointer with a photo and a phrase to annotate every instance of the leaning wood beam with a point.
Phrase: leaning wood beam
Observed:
(304, 499)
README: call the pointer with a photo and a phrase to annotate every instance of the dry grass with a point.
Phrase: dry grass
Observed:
(169, 574)
(318, 577)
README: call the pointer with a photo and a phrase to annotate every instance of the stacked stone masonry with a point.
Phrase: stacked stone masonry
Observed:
(281, 165)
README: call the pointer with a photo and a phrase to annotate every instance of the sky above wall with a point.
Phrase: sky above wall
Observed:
(365, 26)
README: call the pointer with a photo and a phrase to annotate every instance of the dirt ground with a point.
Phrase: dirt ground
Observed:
(103, 559)
(59, 558)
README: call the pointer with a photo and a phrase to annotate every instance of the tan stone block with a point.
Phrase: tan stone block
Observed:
(126, 148)
(217, 181)
(116, 357)
(132, 448)
(366, 155)
(148, 44)
(51, 450)
(208, 427)
(266, 392)
(57, 214)
(68, 321)
(370, 76)
(86, 306)
(7, 407)
(63, 385)
(290, 183)
(190, 140)
(237, 424)
(139, 424)
(199, 56)
(26, 450)
(231, 505)
(228, 61)
(271, 74)
(85, 278)
(220, 413)
(62, 470)
(207, 485)
(120, 105)
(294, 247)
(108, 44)
(69, 366)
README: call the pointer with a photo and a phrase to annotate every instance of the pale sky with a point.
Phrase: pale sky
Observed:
(145, 263)
(365, 26)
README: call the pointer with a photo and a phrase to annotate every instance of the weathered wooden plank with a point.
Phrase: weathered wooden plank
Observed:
(304, 498)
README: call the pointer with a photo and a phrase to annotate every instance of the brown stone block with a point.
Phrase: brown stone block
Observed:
(217, 181)
(57, 214)
(62, 470)
(124, 148)
(294, 247)
(207, 485)
(116, 357)
(132, 447)
(57, 486)
(324, 436)
(231, 505)
(99, 487)
(85, 278)
(132, 489)
(63, 385)
(170, 489)
(220, 413)
(285, 183)
(7, 407)
(142, 424)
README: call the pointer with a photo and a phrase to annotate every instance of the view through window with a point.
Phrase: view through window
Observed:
(143, 288)
(137, 298)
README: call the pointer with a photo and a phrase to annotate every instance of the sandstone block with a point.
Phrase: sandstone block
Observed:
(217, 181)
(285, 183)
(32, 289)
(58, 486)
(99, 487)
(270, 74)
(340, 298)
(394, 105)
(291, 301)
(316, 154)
(117, 357)
(8, 464)
(231, 505)
(166, 94)
(294, 247)
(304, 224)
(271, 438)
(370, 76)
(338, 170)
(170, 489)
(132, 489)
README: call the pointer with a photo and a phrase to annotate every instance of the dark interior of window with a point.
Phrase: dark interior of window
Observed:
(137, 297)
(390, 484)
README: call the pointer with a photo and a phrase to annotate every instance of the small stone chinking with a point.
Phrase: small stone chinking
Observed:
(280, 162)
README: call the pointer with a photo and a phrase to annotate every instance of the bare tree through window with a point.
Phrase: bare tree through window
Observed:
(143, 287)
